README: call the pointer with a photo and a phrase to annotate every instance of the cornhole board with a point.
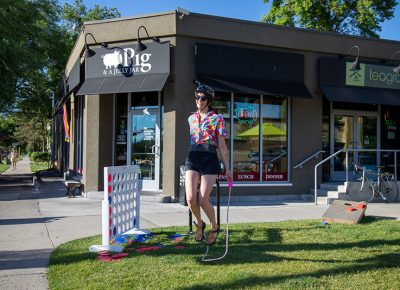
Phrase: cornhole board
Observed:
(345, 212)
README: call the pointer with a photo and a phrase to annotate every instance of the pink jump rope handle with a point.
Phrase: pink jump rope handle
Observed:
(230, 183)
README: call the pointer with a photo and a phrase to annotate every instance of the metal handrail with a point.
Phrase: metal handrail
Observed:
(300, 165)
(371, 150)
(347, 163)
(277, 157)
(268, 162)
(315, 172)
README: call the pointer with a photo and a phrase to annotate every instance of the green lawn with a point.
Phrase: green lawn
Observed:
(3, 167)
(37, 166)
(298, 254)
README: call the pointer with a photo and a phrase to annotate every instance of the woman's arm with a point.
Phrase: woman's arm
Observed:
(225, 156)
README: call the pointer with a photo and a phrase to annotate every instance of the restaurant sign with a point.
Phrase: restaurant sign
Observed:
(123, 60)
(255, 176)
(370, 75)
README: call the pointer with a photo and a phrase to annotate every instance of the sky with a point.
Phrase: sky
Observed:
(245, 9)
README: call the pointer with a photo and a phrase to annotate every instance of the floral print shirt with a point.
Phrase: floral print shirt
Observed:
(206, 130)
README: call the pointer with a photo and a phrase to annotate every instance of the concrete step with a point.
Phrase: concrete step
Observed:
(325, 200)
(333, 186)
(329, 191)
(320, 199)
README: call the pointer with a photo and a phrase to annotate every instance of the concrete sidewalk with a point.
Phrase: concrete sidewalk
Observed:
(33, 223)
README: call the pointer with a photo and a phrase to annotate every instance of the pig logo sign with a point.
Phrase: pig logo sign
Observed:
(112, 59)
(126, 62)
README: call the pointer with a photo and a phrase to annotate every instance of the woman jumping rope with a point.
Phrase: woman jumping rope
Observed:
(207, 134)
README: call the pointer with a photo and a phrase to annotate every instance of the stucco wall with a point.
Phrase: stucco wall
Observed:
(98, 121)
(179, 103)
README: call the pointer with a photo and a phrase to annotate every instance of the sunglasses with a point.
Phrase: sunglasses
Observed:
(203, 98)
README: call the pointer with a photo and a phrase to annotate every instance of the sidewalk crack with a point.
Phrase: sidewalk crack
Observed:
(45, 224)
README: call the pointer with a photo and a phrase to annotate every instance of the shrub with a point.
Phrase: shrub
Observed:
(39, 156)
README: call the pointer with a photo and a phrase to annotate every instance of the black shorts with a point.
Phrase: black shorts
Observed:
(203, 162)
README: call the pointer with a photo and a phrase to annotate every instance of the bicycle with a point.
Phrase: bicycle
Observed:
(385, 185)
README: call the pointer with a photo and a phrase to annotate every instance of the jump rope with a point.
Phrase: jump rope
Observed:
(204, 259)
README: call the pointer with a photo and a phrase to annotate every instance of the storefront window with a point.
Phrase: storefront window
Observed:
(144, 99)
(246, 165)
(221, 104)
(79, 106)
(274, 139)
(250, 121)
(390, 137)
(325, 136)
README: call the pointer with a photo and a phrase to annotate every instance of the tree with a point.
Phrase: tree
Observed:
(32, 132)
(36, 40)
(35, 44)
(24, 30)
(343, 16)
(75, 15)
(7, 128)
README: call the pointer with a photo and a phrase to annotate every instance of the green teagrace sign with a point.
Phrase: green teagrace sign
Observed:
(370, 75)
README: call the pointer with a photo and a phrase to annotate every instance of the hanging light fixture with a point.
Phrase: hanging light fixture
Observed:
(139, 45)
(89, 52)
(355, 65)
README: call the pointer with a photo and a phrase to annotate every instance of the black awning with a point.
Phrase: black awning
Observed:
(255, 86)
(362, 95)
(74, 78)
(113, 85)
(252, 71)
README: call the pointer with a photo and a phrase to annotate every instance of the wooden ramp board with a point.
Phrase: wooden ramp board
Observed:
(345, 212)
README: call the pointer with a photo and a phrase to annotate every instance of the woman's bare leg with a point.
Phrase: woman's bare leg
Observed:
(207, 183)
(192, 179)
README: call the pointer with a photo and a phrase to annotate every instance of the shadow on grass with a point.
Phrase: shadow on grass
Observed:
(320, 251)
(258, 252)
(372, 219)
(384, 261)
(69, 253)
(261, 252)
(249, 248)
(247, 245)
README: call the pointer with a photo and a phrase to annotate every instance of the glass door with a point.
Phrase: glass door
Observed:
(353, 130)
(367, 139)
(145, 146)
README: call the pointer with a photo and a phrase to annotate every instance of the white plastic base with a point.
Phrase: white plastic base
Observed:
(110, 248)
(116, 248)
